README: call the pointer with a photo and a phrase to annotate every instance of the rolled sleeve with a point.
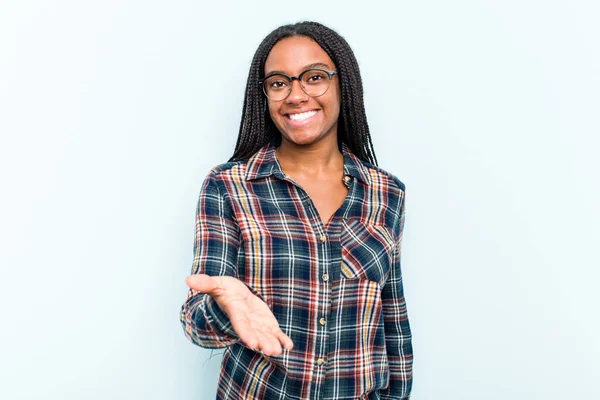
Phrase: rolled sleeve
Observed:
(216, 244)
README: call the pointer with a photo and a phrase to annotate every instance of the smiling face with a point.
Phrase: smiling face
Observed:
(303, 119)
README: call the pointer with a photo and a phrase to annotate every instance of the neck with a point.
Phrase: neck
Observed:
(315, 158)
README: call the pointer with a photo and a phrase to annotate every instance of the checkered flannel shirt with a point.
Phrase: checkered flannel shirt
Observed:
(336, 289)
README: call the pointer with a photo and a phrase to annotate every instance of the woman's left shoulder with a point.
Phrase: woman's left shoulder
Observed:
(384, 176)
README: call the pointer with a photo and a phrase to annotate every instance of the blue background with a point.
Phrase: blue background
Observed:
(112, 113)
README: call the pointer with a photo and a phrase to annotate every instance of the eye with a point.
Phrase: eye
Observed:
(315, 77)
(277, 84)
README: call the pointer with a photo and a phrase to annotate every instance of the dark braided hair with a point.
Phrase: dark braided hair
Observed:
(257, 127)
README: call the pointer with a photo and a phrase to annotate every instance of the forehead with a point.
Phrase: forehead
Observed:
(292, 54)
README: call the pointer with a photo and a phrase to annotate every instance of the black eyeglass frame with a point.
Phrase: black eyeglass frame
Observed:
(330, 74)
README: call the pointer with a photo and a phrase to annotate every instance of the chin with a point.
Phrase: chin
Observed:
(301, 139)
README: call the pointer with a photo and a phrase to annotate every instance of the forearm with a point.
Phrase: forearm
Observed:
(398, 337)
(400, 353)
(205, 324)
(400, 383)
(216, 243)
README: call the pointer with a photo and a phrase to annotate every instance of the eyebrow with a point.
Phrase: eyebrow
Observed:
(309, 66)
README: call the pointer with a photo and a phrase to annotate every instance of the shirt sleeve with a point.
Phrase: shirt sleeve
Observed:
(216, 243)
(397, 330)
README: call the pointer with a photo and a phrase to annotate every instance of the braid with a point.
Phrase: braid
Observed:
(257, 127)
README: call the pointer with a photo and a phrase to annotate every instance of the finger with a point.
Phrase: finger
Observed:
(274, 345)
(250, 339)
(284, 339)
(265, 344)
(203, 283)
(277, 346)
(276, 342)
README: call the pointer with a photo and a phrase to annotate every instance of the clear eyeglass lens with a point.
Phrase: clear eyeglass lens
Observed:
(277, 87)
(314, 83)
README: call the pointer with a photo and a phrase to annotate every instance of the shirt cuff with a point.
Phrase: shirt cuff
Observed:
(217, 318)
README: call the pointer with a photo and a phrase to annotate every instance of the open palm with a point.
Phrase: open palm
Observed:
(250, 317)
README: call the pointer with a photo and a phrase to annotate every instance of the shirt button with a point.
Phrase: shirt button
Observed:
(325, 277)
(323, 238)
(347, 178)
(320, 361)
(322, 321)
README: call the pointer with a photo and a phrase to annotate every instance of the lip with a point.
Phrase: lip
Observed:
(303, 122)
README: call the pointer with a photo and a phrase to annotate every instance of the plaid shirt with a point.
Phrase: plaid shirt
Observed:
(335, 289)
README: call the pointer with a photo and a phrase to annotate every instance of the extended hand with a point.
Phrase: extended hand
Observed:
(250, 317)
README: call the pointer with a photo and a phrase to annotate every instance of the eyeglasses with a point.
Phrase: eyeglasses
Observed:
(314, 82)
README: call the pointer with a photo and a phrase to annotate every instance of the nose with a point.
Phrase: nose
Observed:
(297, 94)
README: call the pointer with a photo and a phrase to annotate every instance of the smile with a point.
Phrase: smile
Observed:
(301, 116)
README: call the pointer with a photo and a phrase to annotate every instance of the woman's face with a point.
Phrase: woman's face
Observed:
(303, 119)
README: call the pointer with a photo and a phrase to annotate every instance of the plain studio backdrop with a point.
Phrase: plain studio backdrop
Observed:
(113, 112)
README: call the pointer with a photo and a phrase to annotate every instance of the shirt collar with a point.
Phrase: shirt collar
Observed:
(264, 163)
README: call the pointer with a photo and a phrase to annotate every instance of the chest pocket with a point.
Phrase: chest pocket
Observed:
(366, 251)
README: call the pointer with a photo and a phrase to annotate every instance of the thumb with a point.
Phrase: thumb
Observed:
(203, 283)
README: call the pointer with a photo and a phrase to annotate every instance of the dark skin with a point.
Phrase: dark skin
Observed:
(323, 184)
(308, 152)
(309, 155)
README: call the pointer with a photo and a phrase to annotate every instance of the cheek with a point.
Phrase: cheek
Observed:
(336, 100)
(272, 110)
(335, 105)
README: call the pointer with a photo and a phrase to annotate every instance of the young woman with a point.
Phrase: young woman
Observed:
(297, 249)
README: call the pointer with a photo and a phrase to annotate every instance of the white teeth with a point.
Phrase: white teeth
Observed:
(302, 116)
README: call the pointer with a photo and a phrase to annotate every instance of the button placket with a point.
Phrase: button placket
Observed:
(322, 239)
